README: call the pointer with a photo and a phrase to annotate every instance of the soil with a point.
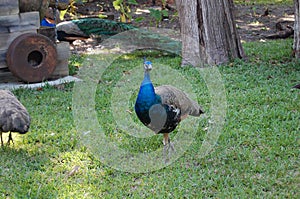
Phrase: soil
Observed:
(254, 22)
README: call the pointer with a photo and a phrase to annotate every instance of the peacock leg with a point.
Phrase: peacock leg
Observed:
(10, 139)
(168, 147)
(171, 146)
(166, 139)
(165, 142)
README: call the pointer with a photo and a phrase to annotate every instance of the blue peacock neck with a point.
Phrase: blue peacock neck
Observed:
(147, 92)
(147, 79)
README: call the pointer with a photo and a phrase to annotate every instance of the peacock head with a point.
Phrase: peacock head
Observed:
(147, 65)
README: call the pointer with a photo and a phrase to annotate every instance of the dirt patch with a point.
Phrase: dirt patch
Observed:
(254, 22)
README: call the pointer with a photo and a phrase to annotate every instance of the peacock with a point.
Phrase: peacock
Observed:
(13, 115)
(162, 108)
(90, 26)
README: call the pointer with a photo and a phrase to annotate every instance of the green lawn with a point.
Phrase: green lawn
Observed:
(256, 155)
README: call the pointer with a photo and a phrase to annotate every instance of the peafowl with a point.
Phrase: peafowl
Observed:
(162, 108)
(90, 26)
(13, 115)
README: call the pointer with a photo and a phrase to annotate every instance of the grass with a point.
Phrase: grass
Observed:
(256, 156)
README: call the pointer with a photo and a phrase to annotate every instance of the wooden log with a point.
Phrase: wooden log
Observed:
(63, 50)
(61, 5)
(3, 65)
(3, 59)
(63, 55)
(21, 22)
(61, 70)
(6, 76)
(7, 38)
(48, 32)
(9, 7)
(34, 5)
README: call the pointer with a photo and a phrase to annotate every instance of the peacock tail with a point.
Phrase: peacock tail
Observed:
(173, 96)
(97, 26)
(130, 35)
(144, 38)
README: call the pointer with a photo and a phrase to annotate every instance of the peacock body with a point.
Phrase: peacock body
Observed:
(13, 115)
(97, 26)
(91, 26)
(162, 108)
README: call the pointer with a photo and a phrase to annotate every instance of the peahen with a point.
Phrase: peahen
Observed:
(90, 26)
(162, 108)
(13, 115)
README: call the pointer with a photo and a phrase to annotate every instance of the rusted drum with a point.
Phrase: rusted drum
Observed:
(32, 57)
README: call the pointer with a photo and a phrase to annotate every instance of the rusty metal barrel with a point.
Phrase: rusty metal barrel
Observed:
(32, 57)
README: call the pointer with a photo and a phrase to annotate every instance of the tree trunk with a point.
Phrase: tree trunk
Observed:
(296, 45)
(209, 35)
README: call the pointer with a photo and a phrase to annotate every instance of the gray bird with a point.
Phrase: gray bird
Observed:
(13, 115)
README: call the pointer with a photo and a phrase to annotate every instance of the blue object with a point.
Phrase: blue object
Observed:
(44, 22)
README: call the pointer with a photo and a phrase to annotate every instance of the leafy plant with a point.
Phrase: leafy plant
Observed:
(75, 62)
(158, 15)
(123, 7)
(139, 19)
(71, 10)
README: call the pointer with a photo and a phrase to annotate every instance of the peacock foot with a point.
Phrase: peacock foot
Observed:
(168, 150)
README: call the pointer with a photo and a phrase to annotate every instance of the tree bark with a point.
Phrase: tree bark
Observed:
(209, 35)
(296, 45)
